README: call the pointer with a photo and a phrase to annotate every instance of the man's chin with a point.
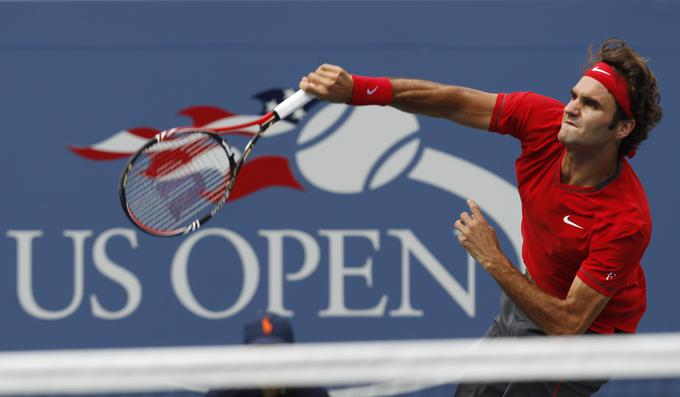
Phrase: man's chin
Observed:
(567, 133)
(563, 134)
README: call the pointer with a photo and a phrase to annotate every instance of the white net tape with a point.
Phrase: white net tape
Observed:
(386, 363)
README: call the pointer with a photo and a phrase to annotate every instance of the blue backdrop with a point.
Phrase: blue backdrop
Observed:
(363, 249)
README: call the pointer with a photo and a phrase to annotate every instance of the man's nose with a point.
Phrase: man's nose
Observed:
(571, 109)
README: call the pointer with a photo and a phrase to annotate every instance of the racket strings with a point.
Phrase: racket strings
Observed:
(179, 207)
(148, 183)
(176, 181)
(180, 204)
(152, 208)
(169, 160)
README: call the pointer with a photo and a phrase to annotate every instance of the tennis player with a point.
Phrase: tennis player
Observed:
(586, 221)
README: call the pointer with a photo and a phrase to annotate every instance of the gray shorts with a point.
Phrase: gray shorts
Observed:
(512, 322)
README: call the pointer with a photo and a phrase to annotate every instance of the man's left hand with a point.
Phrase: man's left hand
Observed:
(478, 237)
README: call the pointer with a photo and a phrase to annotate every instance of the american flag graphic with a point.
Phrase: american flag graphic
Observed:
(257, 174)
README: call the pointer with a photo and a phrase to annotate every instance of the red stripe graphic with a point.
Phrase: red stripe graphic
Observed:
(144, 132)
(203, 115)
(89, 152)
(98, 155)
(264, 172)
(257, 174)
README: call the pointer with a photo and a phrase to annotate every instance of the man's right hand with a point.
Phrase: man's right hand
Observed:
(329, 83)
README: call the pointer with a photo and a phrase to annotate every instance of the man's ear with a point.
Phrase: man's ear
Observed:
(624, 128)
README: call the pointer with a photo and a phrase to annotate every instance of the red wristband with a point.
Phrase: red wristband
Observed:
(371, 91)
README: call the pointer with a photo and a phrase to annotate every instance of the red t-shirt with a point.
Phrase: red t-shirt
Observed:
(597, 234)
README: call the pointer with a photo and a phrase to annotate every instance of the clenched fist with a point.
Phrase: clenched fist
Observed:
(329, 83)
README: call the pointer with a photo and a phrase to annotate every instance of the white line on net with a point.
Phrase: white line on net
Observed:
(358, 363)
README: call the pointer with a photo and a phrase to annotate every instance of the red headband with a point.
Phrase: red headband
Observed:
(614, 83)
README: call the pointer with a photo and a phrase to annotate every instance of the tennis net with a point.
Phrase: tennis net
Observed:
(639, 365)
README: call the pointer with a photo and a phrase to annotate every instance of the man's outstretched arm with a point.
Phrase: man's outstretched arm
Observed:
(466, 106)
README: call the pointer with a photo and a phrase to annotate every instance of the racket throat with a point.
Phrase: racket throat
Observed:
(249, 147)
(269, 122)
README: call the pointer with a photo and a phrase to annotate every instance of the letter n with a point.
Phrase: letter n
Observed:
(410, 245)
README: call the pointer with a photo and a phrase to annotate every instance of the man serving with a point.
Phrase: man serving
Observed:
(585, 217)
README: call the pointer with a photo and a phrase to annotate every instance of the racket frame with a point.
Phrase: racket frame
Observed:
(282, 110)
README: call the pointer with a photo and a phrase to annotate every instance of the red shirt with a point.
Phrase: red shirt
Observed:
(597, 234)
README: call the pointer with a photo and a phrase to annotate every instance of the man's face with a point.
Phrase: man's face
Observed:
(586, 119)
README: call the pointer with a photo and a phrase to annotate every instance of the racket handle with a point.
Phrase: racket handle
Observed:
(292, 103)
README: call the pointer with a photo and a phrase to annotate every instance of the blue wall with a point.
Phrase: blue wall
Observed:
(79, 73)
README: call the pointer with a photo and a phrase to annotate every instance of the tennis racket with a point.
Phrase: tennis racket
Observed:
(183, 176)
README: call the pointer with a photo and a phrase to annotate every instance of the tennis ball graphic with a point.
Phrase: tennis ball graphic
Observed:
(351, 149)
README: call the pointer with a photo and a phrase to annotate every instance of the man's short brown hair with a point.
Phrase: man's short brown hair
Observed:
(642, 88)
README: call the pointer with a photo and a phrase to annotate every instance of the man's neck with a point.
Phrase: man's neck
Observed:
(588, 169)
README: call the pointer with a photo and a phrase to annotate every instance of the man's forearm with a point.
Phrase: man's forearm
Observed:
(466, 106)
(551, 314)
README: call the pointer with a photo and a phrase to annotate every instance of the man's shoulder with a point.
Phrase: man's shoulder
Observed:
(627, 220)
(530, 117)
(535, 101)
(541, 99)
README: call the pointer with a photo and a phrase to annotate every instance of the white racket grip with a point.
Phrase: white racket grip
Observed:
(292, 103)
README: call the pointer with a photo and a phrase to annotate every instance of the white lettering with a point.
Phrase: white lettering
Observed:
(276, 266)
(27, 300)
(117, 273)
(280, 273)
(411, 245)
(180, 277)
(338, 271)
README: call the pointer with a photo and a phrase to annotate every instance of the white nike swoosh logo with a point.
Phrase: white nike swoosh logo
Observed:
(568, 222)
(371, 91)
(597, 69)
